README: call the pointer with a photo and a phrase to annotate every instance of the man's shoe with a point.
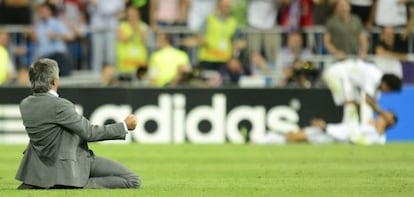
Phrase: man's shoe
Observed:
(26, 186)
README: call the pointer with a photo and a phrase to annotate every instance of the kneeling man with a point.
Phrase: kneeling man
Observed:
(58, 155)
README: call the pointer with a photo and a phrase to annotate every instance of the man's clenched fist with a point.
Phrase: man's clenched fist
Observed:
(131, 122)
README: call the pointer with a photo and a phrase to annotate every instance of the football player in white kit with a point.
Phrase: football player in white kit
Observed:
(372, 132)
(352, 79)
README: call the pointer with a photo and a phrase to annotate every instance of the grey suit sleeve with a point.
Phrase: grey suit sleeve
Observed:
(67, 117)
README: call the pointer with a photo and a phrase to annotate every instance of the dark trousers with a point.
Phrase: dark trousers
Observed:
(104, 174)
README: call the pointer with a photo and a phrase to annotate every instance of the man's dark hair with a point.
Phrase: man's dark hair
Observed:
(53, 9)
(167, 36)
(395, 118)
(394, 82)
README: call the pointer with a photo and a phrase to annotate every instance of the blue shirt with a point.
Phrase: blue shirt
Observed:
(47, 46)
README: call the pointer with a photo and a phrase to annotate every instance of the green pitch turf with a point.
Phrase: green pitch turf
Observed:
(245, 170)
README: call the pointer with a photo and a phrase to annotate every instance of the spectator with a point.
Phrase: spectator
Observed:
(390, 46)
(5, 68)
(218, 40)
(296, 15)
(198, 12)
(131, 47)
(301, 74)
(345, 33)
(144, 8)
(293, 52)
(261, 16)
(74, 16)
(396, 14)
(389, 54)
(51, 34)
(167, 64)
(104, 24)
(168, 13)
(16, 72)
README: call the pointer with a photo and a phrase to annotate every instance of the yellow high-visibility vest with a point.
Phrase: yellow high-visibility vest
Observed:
(164, 64)
(131, 54)
(218, 38)
(4, 64)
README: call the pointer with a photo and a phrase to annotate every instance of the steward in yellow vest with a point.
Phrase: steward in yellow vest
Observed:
(217, 45)
(167, 63)
(220, 43)
(4, 58)
(4, 64)
(131, 46)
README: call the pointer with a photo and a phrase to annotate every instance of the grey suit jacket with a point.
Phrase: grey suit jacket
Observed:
(58, 153)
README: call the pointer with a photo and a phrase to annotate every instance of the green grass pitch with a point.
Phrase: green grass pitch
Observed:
(245, 170)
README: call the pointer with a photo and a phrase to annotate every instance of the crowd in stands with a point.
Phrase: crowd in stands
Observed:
(205, 43)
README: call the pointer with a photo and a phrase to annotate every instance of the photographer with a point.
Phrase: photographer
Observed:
(301, 74)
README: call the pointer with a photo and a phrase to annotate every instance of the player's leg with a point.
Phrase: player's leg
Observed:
(278, 138)
(351, 113)
(106, 173)
(333, 77)
(315, 135)
(269, 138)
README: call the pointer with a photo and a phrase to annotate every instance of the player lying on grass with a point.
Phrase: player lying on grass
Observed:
(320, 132)
(58, 156)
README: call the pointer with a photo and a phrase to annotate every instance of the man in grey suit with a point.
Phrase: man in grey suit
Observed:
(57, 155)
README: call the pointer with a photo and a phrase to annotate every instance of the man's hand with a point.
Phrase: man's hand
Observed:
(52, 35)
(131, 122)
(340, 55)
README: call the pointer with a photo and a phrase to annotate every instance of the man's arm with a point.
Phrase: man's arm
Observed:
(184, 6)
(153, 15)
(67, 117)
(373, 104)
(363, 42)
(62, 33)
(381, 51)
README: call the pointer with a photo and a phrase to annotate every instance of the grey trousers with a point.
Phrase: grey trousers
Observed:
(106, 173)
(103, 49)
